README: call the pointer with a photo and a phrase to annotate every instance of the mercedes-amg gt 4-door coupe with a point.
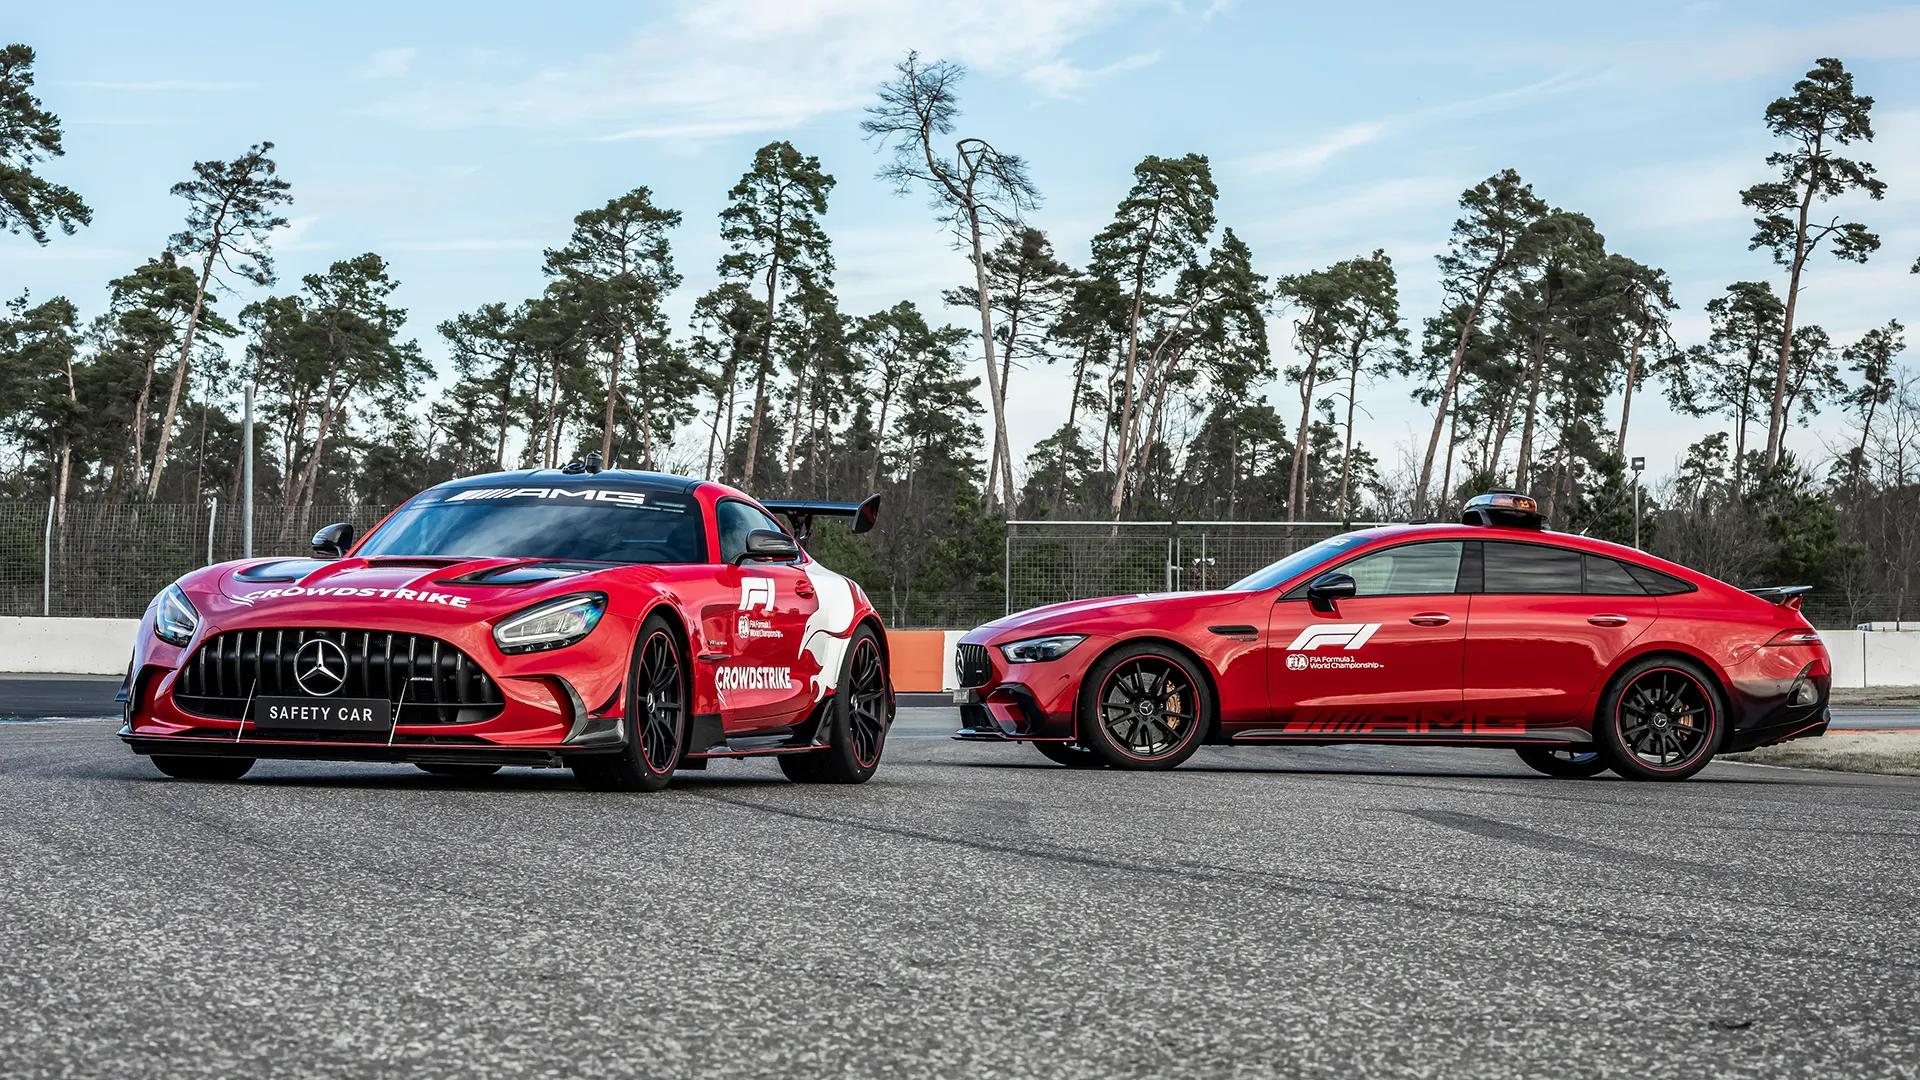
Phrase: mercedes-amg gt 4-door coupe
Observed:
(624, 624)
(1580, 655)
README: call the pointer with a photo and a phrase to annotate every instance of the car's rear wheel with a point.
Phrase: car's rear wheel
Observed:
(451, 768)
(1143, 707)
(858, 716)
(1661, 719)
(657, 703)
(1071, 755)
(1569, 763)
(202, 768)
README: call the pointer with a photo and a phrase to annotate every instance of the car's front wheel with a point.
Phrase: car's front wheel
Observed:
(1143, 707)
(857, 720)
(1662, 719)
(657, 703)
(202, 768)
(1567, 763)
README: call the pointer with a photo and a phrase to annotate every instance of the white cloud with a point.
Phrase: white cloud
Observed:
(1302, 161)
(738, 66)
(392, 63)
(1312, 156)
(1062, 77)
(1724, 53)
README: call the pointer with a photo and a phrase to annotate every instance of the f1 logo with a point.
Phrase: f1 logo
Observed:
(1349, 635)
(756, 592)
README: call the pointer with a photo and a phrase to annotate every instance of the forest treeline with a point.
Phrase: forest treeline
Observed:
(1181, 404)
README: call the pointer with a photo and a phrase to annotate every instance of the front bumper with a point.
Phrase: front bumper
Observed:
(602, 737)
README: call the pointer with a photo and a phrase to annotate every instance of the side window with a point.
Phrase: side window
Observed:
(1609, 577)
(735, 520)
(1408, 570)
(1531, 568)
(1657, 583)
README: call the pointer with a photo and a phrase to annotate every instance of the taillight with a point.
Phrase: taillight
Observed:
(1802, 636)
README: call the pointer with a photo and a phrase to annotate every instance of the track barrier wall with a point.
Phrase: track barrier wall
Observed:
(922, 659)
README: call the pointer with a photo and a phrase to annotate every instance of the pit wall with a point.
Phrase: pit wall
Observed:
(922, 659)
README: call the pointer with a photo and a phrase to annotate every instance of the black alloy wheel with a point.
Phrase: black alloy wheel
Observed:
(656, 718)
(855, 722)
(1660, 721)
(1143, 707)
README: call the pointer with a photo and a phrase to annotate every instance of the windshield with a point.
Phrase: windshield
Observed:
(1295, 564)
(545, 523)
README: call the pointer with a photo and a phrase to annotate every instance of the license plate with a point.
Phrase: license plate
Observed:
(371, 715)
(964, 697)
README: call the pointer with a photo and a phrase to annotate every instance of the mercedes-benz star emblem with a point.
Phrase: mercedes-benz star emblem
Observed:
(320, 667)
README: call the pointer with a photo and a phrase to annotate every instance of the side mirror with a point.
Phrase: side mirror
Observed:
(766, 545)
(1329, 589)
(333, 541)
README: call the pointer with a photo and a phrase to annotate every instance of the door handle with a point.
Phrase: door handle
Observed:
(1430, 618)
(803, 590)
(1607, 620)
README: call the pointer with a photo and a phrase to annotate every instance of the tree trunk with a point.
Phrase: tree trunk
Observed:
(996, 390)
(1633, 374)
(1297, 476)
(1777, 421)
(880, 430)
(1523, 465)
(753, 431)
(614, 364)
(1346, 452)
(180, 374)
(1452, 381)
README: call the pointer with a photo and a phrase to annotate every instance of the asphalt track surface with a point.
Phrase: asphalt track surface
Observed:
(973, 911)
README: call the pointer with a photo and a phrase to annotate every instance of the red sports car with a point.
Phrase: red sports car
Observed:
(623, 624)
(1578, 654)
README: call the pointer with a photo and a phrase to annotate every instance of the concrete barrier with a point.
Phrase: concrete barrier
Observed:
(66, 646)
(922, 659)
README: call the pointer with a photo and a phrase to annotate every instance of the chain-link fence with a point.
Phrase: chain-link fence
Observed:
(1050, 561)
(110, 559)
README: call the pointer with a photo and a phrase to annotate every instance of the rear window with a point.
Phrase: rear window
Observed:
(1530, 568)
(1656, 582)
(1610, 577)
(583, 524)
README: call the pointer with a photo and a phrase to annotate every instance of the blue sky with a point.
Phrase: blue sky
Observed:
(459, 140)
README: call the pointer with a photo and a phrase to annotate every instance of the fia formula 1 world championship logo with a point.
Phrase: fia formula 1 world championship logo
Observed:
(756, 592)
(1347, 636)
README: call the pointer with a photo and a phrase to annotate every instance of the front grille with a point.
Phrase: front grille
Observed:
(439, 683)
(972, 664)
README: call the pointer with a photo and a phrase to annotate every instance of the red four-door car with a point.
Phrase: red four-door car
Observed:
(625, 624)
(1578, 654)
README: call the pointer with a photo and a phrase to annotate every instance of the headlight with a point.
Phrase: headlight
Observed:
(550, 625)
(174, 617)
(1035, 650)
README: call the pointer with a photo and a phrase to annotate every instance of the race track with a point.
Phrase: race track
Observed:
(973, 911)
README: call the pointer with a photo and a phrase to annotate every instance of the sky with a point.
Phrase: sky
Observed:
(459, 140)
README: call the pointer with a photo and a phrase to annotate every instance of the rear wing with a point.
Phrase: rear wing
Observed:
(1784, 595)
(802, 512)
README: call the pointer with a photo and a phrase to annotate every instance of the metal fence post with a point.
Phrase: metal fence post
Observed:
(46, 564)
(246, 473)
(1006, 571)
(213, 515)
